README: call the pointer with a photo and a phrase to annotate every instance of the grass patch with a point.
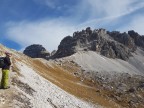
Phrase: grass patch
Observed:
(68, 82)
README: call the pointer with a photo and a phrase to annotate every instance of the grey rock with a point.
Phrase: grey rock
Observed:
(53, 52)
(138, 39)
(121, 88)
(123, 38)
(36, 51)
(110, 44)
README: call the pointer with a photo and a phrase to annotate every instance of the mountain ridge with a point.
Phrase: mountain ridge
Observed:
(80, 77)
(110, 44)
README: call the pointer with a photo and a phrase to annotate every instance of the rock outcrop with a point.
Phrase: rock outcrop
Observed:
(110, 44)
(138, 39)
(36, 51)
(53, 52)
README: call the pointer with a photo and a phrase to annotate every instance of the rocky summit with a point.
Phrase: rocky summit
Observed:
(36, 51)
(110, 44)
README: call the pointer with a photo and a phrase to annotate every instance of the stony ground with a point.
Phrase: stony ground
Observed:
(74, 82)
(30, 90)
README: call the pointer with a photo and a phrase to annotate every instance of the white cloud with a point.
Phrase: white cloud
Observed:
(48, 33)
(93, 12)
(107, 9)
(137, 24)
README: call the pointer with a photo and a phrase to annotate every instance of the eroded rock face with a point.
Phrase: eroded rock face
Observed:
(110, 44)
(138, 39)
(53, 52)
(123, 38)
(36, 51)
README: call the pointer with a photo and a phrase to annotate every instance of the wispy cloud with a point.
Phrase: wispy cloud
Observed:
(49, 32)
(105, 10)
(136, 24)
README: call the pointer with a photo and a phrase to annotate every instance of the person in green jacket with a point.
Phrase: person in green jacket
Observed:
(5, 71)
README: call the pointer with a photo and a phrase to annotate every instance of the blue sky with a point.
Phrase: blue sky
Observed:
(47, 22)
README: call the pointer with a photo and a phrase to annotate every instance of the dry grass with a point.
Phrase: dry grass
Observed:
(64, 79)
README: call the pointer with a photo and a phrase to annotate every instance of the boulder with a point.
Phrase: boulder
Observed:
(36, 51)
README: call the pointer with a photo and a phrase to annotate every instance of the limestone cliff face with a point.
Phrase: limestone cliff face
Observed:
(110, 44)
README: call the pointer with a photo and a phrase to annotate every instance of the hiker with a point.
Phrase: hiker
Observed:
(5, 71)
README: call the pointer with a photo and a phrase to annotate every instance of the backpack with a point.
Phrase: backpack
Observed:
(2, 62)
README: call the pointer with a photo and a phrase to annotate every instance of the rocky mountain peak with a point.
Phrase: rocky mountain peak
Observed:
(36, 83)
(36, 51)
(110, 44)
(138, 39)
